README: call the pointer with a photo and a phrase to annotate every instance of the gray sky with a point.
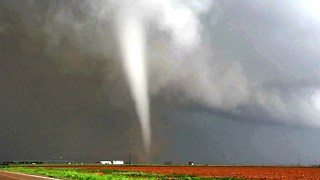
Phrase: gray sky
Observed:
(230, 82)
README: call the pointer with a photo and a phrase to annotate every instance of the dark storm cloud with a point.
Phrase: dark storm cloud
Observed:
(276, 47)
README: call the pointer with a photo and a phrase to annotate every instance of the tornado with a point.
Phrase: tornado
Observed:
(132, 41)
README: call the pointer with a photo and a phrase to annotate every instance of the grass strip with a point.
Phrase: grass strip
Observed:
(66, 173)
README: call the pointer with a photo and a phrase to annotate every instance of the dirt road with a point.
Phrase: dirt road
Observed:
(5, 175)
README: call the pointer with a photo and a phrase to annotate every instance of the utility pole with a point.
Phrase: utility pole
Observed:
(129, 158)
(299, 159)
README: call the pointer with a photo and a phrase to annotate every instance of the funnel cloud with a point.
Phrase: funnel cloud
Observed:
(132, 42)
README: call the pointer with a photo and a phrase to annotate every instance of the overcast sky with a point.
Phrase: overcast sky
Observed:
(230, 82)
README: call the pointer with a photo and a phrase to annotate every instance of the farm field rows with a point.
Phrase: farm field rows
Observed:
(248, 172)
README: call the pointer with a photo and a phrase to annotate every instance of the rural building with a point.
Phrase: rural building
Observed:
(116, 162)
(105, 162)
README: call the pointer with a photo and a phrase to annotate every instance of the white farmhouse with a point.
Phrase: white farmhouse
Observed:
(105, 162)
(117, 162)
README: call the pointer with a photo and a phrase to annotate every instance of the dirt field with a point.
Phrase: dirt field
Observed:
(250, 172)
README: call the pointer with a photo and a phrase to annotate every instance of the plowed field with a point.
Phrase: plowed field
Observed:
(250, 172)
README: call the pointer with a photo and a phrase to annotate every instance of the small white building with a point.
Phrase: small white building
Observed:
(105, 162)
(115, 162)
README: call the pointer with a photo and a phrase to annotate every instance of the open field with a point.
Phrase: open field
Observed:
(84, 173)
(248, 172)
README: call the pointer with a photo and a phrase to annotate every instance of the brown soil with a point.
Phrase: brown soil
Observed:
(250, 172)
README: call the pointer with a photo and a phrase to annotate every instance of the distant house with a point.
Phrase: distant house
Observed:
(118, 162)
(105, 162)
(115, 162)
